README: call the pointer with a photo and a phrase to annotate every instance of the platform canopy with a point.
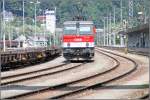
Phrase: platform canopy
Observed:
(138, 29)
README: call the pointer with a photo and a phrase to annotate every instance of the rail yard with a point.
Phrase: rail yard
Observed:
(74, 49)
(79, 78)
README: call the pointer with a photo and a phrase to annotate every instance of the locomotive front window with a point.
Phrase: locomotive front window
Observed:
(85, 30)
(70, 30)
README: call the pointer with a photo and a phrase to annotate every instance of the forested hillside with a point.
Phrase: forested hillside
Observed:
(67, 9)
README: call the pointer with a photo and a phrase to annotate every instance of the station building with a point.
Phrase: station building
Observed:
(139, 37)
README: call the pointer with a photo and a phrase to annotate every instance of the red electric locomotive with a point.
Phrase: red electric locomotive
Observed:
(78, 40)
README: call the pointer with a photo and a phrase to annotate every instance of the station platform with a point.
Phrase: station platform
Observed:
(141, 51)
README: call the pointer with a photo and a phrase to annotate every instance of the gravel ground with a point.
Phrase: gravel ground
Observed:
(38, 73)
(68, 88)
(98, 79)
(75, 74)
(138, 77)
(84, 69)
(118, 93)
(55, 62)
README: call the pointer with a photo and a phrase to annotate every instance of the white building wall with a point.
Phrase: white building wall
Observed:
(50, 21)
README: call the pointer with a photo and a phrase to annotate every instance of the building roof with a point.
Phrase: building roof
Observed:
(7, 41)
(122, 32)
(138, 29)
(41, 18)
(21, 38)
(38, 38)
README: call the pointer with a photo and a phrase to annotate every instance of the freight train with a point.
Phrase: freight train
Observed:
(78, 40)
(12, 58)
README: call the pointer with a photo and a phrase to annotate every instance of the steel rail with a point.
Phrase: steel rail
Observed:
(72, 82)
(41, 75)
(146, 97)
(102, 83)
(21, 74)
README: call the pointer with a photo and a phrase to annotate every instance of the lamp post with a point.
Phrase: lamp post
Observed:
(35, 4)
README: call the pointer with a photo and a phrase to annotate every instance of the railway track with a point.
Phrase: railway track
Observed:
(21, 74)
(37, 74)
(99, 76)
(145, 97)
(99, 84)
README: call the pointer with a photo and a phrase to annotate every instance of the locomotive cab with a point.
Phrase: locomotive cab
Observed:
(78, 40)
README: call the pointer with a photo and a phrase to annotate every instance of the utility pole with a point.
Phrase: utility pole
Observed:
(35, 24)
(110, 29)
(149, 31)
(4, 45)
(35, 4)
(121, 22)
(107, 30)
(23, 20)
(121, 13)
(114, 34)
(130, 2)
(145, 17)
(55, 29)
(104, 31)
(9, 34)
(97, 39)
(114, 16)
(44, 25)
(1, 35)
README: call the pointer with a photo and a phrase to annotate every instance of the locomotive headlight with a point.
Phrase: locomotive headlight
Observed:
(68, 44)
(87, 44)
